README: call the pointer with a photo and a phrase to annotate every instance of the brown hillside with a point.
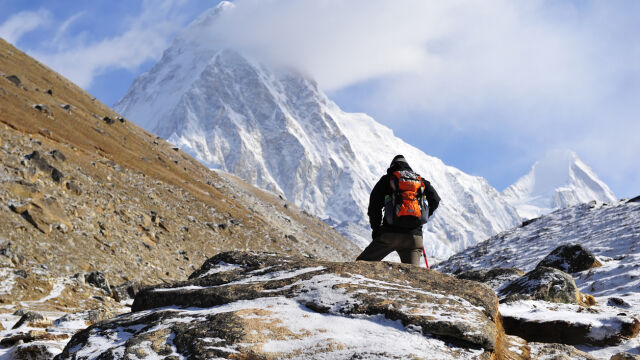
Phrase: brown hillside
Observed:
(82, 189)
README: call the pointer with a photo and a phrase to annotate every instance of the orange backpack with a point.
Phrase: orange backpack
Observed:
(406, 207)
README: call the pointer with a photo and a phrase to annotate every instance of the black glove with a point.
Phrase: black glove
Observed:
(375, 233)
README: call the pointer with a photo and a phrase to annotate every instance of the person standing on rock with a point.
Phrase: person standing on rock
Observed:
(408, 201)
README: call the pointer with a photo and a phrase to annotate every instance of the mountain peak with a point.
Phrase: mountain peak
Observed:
(559, 180)
(275, 128)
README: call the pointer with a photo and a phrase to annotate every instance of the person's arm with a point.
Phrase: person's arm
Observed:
(376, 203)
(432, 197)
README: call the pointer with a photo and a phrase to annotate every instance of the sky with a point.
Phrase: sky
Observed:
(487, 86)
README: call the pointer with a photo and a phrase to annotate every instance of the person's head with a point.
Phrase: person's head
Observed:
(399, 159)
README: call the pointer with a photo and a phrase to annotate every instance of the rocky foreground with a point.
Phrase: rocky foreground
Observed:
(266, 306)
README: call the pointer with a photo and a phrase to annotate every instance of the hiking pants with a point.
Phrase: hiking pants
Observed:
(408, 246)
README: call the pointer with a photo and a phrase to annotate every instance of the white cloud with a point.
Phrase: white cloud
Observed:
(81, 57)
(538, 74)
(23, 22)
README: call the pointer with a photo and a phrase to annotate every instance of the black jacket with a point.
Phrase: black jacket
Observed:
(383, 188)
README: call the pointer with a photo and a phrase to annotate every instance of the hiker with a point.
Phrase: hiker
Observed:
(402, 193)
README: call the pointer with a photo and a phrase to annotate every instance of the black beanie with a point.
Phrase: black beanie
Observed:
(398, 158)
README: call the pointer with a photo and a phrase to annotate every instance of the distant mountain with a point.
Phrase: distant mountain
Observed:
(557, 181)
(276, 129)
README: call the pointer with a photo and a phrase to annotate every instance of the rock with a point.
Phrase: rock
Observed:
(15, 80)
(99, 280)
(24, 190)
(625, 356)
(29, 174)
(43, 214)
(634, 200)
(618, 302)
(41, 163)
(567, 324)
(495, 278)
(543, 283)
(74, 187)
(34, 352)
(32, 335)
(43, 109)
(238, 302)
(125, 291)
(89, 317)
(58, 155)
(33, 319)
(56, 175)
(570, 258)
(557, 352)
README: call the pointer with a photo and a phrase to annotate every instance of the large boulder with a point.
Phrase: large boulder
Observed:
(543, 283)
(267, 306)
(570, 258)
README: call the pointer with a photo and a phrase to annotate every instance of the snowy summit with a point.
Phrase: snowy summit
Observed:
(557, 181)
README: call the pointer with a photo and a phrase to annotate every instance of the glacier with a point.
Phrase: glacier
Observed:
(274, 127)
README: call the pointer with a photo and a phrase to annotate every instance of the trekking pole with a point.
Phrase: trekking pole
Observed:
(424, 253)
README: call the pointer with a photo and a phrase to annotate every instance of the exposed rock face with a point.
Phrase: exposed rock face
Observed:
(570, 258)
(245, 304)
(495, 278)
(543, 283)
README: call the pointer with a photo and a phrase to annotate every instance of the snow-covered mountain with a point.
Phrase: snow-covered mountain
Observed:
(557, 181)
(275, 128)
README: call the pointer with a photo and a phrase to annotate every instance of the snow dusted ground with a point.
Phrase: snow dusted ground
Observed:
(307, 334)
(65, 305)
(244, 304)
(611, 232)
